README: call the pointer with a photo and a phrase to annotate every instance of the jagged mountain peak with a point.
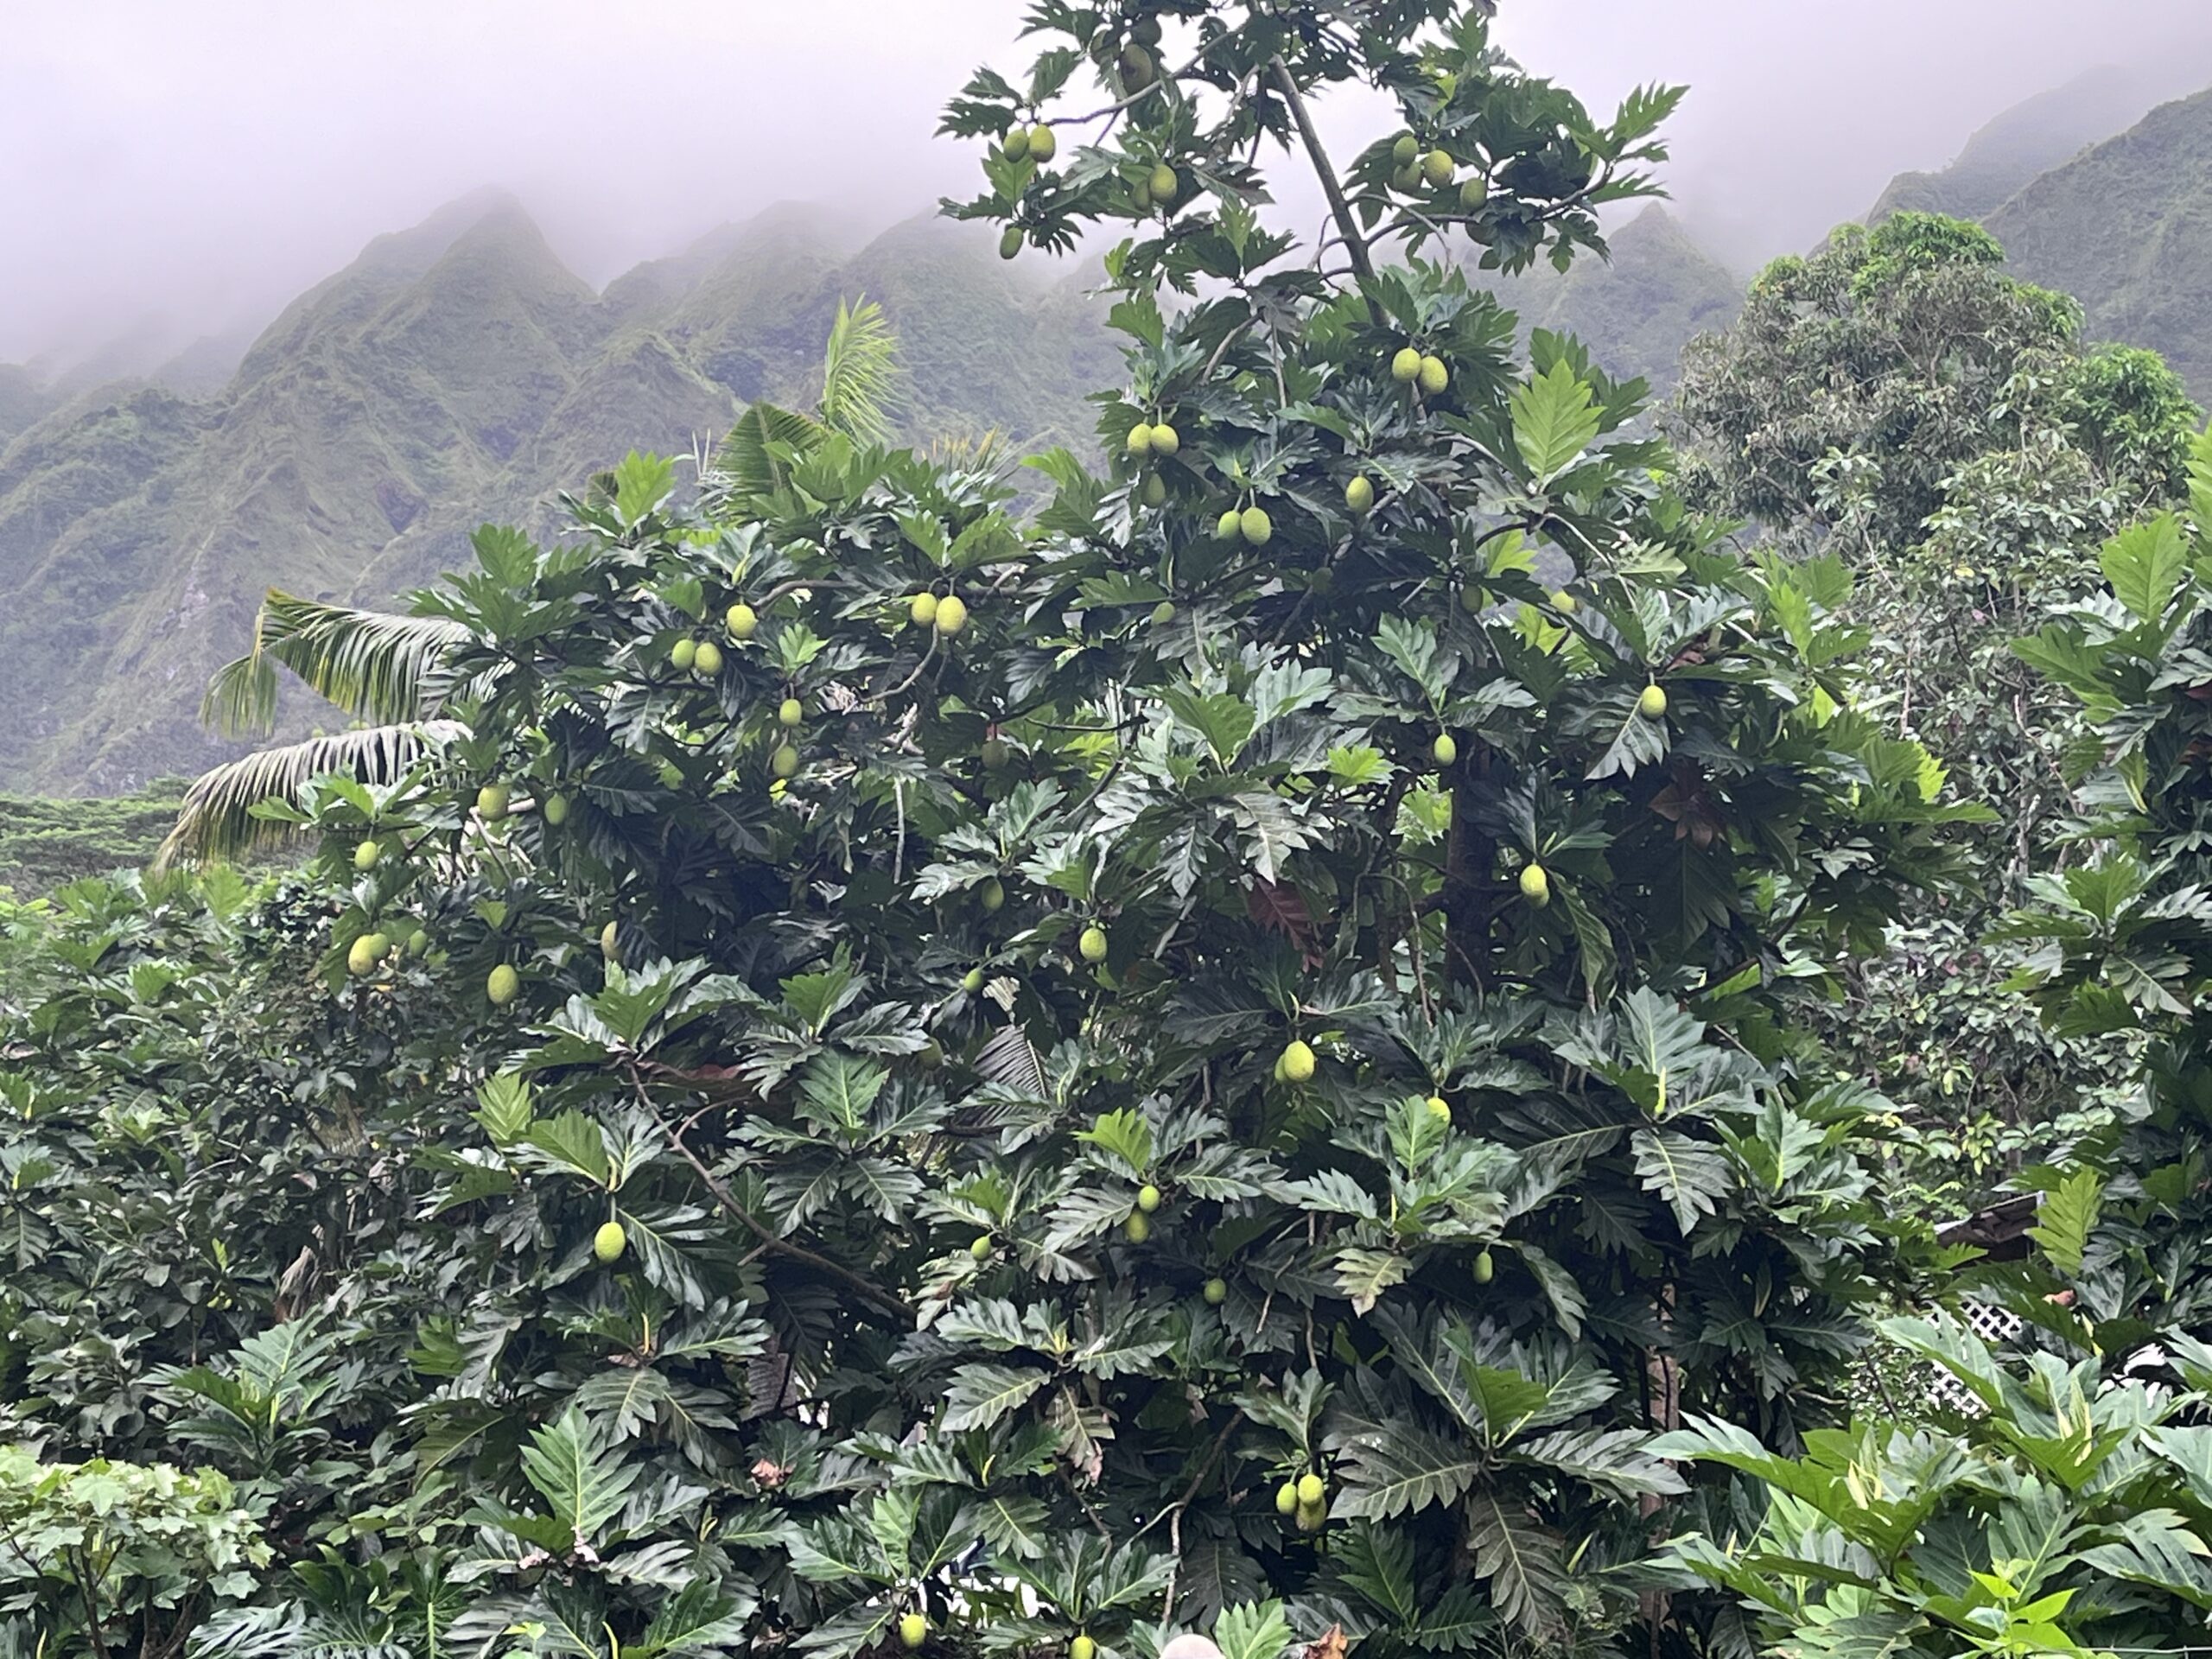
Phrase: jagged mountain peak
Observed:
(784, 233)
(1654, 225)
(500, 257)
(384, 269)
(2125, 227)
(422, 244)
(2029, 138)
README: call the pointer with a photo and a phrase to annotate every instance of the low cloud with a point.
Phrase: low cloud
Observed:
(187, 170)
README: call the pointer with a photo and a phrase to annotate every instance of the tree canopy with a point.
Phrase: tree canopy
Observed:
(848, 1067)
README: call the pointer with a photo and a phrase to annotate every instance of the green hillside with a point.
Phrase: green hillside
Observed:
(1637, 308)
(2032, 137)
(455, 373)
(22, 400)
(2126, 228)
(47, 844)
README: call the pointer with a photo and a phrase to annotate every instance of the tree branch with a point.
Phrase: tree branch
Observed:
(722, 1196)
(1339, 209)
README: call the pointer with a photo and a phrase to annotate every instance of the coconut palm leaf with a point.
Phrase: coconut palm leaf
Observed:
(863, 387)
(747, 464)
(216, 820)
(375, 665)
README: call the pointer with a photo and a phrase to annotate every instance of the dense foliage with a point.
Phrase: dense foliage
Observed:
(2120, 939)
(2058, 1512)
(850, 1065)
(1901, 402)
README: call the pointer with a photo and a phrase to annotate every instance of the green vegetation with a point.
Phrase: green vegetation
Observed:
(45, 844)
(139, 1551)
(2062, 1513)
(2118, 940)
(1902, 403)
(852, 1061)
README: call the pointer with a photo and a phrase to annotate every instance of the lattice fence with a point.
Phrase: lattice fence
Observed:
(1995, 1327)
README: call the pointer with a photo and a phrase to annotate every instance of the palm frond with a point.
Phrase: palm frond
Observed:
(241, 699)
(746, 464)
(863, 388)
(375, 665)
(217, 821)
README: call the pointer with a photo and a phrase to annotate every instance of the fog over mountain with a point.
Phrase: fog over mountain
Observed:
(176, 172)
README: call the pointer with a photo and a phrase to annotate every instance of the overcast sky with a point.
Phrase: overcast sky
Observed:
(207, 159)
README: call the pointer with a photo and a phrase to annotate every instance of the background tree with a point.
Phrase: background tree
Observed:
(1899, 402)
(2119, 938)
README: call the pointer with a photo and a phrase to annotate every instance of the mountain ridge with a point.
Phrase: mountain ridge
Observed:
(2125, 227)
(453, 372)
(2031, 137)
(457, 371)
